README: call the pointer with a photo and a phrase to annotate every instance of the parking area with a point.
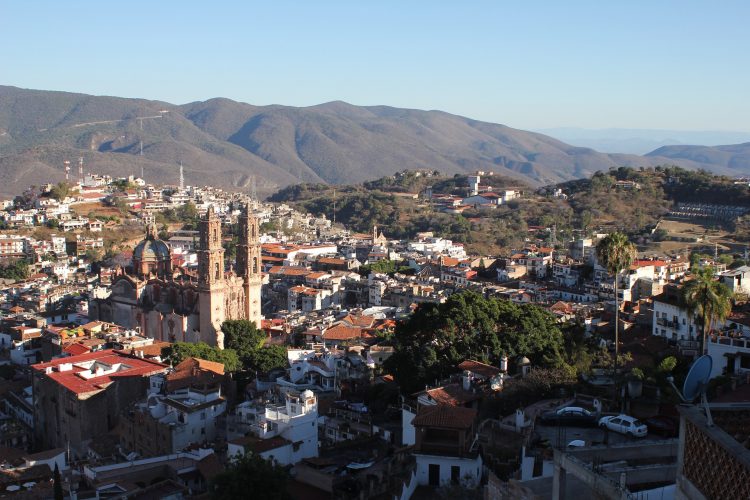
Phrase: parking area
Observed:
(560, 436)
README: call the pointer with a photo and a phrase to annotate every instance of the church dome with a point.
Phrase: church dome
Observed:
(151, 250)
(152, 255)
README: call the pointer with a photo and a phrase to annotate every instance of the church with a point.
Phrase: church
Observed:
(175, 305)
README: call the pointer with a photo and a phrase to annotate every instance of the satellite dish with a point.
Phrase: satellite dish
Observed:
(697, 378)
(695, 384)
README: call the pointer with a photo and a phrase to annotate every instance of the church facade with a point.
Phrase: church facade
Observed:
(178, 306)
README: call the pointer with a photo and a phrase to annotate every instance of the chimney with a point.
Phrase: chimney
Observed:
(466, 380)
(504, 363)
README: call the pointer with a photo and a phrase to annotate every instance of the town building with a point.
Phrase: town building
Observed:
(79, 398)
(170, 305)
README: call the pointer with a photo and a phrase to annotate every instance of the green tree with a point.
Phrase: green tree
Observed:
(251, 476)
(247, 340)
(17, 270)
(615, 253)
(179, 351)
(268, 358)
(708, 297)
(60, 191)
(243, 336)
(94, 255)
(437, 337)
(381, 266)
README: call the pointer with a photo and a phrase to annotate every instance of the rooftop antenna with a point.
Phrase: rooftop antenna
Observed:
(695, 385)
(334, 206)
(80, 169)
(66, 164)
(182, 178)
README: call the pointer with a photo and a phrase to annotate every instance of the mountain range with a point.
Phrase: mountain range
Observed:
(641, 141)
(237, 145)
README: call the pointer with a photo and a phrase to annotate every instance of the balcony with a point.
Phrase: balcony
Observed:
(688, 347)
(675, 325)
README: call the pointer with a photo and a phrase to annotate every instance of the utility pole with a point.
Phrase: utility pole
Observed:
(334, 206)
(80, 169)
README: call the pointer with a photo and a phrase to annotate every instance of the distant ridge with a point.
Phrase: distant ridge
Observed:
(227, 143)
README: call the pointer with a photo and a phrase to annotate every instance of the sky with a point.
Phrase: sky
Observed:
(527, 64)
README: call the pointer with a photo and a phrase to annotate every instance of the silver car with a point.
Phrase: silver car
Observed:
(624, 424)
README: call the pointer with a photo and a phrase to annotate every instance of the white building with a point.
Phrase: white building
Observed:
(671, 319)
(286, 434)
(443, 446)
(738, 280)
(190, 413)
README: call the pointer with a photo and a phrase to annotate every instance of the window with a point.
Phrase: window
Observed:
(434, 474)
(455, 474)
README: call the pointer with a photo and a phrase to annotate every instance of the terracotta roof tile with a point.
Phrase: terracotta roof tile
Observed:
(485, 370)
(451, 394)
(72, 381)
(342, 332)
(445, 416)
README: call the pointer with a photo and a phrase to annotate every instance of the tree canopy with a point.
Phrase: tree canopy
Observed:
(17, 270)
(180, 351)
(437, 337)
(708, 297)
(251, 476)
(615, 252)
(248, 341)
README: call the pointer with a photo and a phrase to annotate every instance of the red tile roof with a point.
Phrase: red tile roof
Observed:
(485, 370)
(76, 349)
(342, 332)
(452, 395)
(74, 382)
(445, 416)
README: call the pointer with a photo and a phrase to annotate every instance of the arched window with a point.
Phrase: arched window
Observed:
(255, 265)
(252, 230)
(216, 235)
(217, 272)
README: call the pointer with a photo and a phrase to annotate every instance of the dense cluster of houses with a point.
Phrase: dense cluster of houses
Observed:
(100, 403)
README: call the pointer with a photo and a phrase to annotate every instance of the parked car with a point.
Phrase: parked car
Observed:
(663, 426)
(624, 424)
(569, 415)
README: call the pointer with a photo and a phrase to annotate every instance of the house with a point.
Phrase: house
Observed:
(738, 280)
(286, 434)
(181, 410)
(443, 446)
(79, 398)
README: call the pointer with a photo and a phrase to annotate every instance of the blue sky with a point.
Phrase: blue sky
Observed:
(597, 64)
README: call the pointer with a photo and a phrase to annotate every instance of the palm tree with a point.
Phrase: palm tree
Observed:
(708, 297)
(615, 253)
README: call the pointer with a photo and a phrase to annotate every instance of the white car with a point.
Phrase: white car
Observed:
(624, 424)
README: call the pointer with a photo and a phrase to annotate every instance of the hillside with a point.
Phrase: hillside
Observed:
(592, 204)
(231, 143)
(734, 157)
